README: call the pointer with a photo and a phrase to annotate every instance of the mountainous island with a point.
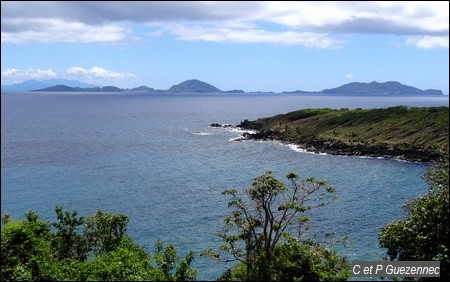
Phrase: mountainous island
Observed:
(197, 86)
(388, 88)
(188, 86)
(406, 133)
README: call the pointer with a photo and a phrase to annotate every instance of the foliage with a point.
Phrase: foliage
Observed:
(309, 262)
(295, 261)
(24, 247)
(104, 232)
(423, 234)
(93, 248)
(257, 232)
(437, 175)
(126, 262)
(170, 266)
(67, 241)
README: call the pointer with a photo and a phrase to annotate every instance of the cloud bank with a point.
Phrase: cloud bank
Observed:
(93, 75)
(313, 24)
(14, 75)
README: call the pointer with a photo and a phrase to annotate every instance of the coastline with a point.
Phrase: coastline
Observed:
(413, 134)
(327, 148)
(254, 131)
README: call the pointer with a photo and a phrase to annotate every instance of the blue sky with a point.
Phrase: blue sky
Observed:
(254, 46)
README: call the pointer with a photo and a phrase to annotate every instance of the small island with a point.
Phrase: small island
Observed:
(406, 133)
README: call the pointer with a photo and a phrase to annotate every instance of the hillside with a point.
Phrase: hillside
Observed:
(65, 88)
(385, 88)
(414, 134)
(194, 86)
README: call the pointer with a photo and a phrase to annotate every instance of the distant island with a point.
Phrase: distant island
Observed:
(188, 86)
(386, 88)
(374, 88)
(406, 133)
(197, 86)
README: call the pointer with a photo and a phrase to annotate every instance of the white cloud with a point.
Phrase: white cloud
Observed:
(391, 17)
(95, 75)
(302, 14)
(14, 75)
(309, 23)
(97, 72)
(428, 42)
(217, 34)
(350, 76)
(57, 30)
(9, 72)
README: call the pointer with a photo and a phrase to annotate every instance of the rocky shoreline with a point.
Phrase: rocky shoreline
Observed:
(333, 147)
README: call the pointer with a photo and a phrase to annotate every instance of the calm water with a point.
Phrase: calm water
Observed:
(155, 158)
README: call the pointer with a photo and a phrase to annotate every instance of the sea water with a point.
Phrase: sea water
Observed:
(156, 159)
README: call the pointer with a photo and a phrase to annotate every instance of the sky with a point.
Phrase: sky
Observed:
(254, 46)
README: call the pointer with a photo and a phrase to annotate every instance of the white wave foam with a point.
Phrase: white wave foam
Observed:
(296, 148)
(239, 138)
(239, 130)
(202, 133)
(384, 158)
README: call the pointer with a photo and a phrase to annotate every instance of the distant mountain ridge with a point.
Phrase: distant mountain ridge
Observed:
(389, 87)
(29, 85)
(188, 86)
(197, 86)
(65, 88)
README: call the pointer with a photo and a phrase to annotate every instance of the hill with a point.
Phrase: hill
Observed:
(142, 88)
(194, 86)
(65, 88)
(385, 88)
(414, 134)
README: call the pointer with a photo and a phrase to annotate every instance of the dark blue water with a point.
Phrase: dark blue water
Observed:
(155, 158)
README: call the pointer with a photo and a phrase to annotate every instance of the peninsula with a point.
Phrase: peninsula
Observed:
(406, 133)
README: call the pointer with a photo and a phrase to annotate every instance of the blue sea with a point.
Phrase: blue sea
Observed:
(156, 159)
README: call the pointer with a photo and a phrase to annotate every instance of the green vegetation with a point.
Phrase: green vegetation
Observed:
(257, 233)
(423, 234)
(411, 132)
(78, 248)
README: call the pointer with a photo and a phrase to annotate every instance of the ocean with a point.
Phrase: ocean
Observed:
(156, 159)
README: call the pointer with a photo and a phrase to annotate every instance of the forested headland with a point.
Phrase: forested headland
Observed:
(407, 133)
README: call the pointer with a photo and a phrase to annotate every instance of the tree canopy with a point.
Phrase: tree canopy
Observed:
(423, 234)
(258, 232)
(96, 247)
